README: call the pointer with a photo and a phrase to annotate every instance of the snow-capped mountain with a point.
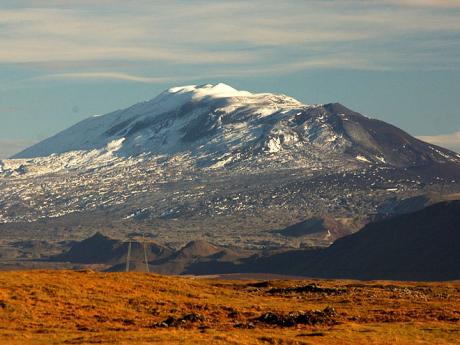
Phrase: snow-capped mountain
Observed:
(217, 126)
(225, 165)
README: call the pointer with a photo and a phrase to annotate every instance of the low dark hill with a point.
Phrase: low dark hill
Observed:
(315, 225)
(200, 257)
(101, 249)
(424, 245)
(197, 249)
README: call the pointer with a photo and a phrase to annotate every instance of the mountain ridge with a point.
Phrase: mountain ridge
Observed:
(218, 126)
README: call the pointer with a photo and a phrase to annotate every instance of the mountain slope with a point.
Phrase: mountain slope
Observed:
(219, 164)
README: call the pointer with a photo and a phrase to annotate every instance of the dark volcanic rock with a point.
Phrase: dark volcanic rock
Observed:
(309, 288)
(313, 317)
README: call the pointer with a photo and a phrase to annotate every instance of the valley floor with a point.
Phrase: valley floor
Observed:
(85, 307)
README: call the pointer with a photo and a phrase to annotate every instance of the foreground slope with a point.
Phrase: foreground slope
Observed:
(56, 307)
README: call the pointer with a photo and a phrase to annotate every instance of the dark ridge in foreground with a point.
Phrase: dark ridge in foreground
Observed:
(424, 245)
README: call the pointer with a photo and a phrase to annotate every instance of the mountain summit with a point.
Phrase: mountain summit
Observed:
(217, 125)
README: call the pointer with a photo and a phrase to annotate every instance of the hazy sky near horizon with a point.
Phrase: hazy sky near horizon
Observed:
(62, 61)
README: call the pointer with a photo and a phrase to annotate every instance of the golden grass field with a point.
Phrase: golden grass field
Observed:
(68, 307)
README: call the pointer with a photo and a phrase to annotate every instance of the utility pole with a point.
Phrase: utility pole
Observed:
(145, 253)
(128, 256)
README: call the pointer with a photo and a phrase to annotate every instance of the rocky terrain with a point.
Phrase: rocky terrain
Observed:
(423, 246)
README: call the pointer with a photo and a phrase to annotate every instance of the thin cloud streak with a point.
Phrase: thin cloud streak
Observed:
(450, 141)
(79, 41)
(214, 33)
(49, 51)
(337, 62)
(108, 76)
(9, 147)
(425, 3)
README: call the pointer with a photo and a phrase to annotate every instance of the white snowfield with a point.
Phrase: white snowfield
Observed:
(87, 144)
(165, 122)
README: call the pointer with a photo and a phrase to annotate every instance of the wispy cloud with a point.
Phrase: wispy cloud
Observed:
(450, 141)
(425, 3)
(40, 35)
(9, 147)
(234, 36)
(108, 76)
(330, 62)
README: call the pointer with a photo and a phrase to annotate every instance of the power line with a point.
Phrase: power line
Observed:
(146, 259)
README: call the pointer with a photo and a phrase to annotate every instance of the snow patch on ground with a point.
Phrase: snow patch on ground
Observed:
(362, 159)
(222, 162)
(274, 145)
(381, 159)
(115, 145)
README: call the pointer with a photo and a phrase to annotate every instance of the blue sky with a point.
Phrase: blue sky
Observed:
(62, 61)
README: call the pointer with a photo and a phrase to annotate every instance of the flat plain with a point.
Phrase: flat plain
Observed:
(86, 307)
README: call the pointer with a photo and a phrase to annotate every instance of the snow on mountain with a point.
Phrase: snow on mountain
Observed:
(170, 123)
(216, 126)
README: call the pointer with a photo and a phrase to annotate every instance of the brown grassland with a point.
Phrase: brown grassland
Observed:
(68, 307)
